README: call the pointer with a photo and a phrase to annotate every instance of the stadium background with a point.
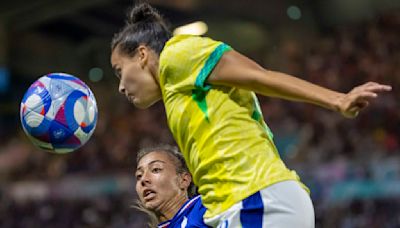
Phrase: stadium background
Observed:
(351, 166)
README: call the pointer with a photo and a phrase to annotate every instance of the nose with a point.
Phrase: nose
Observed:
(145, 179)
(121, 88)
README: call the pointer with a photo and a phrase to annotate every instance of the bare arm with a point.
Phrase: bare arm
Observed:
(239, 71)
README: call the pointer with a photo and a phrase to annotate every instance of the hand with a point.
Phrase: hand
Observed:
(357, 99)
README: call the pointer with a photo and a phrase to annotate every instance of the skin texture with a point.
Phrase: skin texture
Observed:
(138, 76)
(159, 187)
(234, 69)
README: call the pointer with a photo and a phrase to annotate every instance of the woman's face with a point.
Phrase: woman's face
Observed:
(138, 76)
(158, 184)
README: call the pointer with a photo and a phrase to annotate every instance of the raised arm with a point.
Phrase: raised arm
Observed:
(239, 71)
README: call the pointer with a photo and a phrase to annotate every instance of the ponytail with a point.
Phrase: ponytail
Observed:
(152, 219)
(144, 26)
(141, 13)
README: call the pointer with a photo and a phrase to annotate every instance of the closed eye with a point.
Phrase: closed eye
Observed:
(117, 72)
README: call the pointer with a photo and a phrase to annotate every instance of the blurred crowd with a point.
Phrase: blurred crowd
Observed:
(351, 166)
(112, 212)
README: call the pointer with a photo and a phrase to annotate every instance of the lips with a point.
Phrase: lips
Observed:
(148, 194)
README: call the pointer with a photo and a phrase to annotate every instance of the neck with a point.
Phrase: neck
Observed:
(169, 209)
(154, 65)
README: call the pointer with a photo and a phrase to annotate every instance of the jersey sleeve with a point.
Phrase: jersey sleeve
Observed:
(187, 61)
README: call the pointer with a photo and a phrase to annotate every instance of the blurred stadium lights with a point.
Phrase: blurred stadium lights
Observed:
(195, 28)
(95, 74)
(294, 12)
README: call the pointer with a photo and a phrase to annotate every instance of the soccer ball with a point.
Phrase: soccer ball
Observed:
(58, 113)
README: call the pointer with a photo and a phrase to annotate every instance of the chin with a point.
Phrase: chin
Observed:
(151, 206)
(143, 105)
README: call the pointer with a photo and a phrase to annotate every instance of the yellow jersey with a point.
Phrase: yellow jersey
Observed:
(220, 130)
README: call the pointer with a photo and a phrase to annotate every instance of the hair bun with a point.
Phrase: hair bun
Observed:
(143, 12)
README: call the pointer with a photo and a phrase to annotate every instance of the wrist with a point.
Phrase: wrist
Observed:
(336, 102)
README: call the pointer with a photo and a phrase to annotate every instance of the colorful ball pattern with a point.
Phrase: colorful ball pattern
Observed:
(58, 113)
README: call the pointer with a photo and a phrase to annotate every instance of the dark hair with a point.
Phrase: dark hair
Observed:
(145, 26)
(180, 167)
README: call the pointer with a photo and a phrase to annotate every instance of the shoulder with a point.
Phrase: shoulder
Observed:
(193, 207)
(188, 44)
(196, 213)
(183, 56)
(190, 215)
(179, 41)
(176, 52)
(186, 39)
(186, 61)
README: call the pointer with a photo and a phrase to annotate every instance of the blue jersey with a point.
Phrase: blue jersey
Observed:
(189, 215)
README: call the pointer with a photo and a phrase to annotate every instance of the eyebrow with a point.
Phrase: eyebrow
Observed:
(150, 163)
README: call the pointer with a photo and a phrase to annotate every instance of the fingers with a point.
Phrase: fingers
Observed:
(362, 104)
(361, 100)
(358, 98)
(354, 110)
(369, 90)
(375, 87)
(366, 95)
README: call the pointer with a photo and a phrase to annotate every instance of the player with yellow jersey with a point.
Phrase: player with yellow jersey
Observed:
(214, 115)
(207, 122)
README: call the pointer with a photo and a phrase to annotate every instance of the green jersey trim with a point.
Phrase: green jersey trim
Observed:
(200, 92)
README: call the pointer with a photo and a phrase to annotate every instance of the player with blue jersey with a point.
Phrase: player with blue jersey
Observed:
(190, 215)
(165, 189)
(208, 90)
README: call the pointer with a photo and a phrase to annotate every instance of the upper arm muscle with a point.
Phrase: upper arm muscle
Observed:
(235, 69)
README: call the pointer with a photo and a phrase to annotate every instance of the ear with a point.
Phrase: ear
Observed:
(143, 55)
(185, 180)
